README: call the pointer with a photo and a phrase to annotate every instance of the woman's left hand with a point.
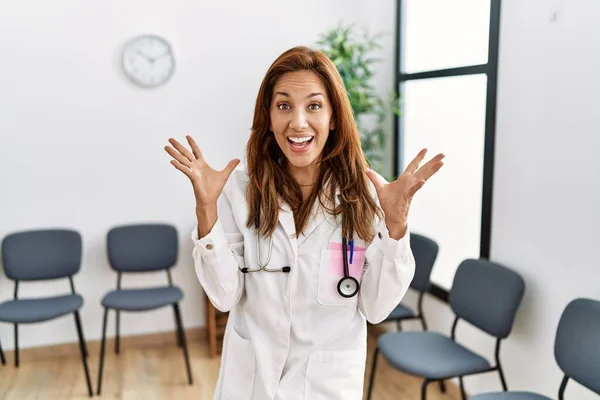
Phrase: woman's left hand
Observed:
(395, 197)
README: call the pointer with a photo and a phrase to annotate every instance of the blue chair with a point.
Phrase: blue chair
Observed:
(38, 255)
(136, 249)
(425, 251)
(576, 350)
(485, 294)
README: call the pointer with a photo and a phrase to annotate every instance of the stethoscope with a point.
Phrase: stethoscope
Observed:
(347, 286)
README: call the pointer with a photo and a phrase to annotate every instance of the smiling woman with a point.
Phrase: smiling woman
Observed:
(301, 118)
(305, 244)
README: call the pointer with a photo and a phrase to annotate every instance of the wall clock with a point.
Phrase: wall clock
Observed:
(148, 60)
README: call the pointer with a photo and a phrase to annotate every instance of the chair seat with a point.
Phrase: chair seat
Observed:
(429, 355)
(400, 312)
(142, 299)
(509, 396)
(26, 311)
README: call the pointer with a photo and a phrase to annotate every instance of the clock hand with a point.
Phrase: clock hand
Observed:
(162, 55)
(144, 56)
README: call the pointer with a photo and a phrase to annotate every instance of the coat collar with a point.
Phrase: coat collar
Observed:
(286, 219)
(318, 216)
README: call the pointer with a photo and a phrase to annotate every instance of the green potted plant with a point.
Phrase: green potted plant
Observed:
(352, 54)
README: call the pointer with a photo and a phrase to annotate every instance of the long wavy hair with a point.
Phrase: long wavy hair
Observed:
(342, 163)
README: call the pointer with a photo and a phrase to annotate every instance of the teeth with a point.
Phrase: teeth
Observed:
(300, 139)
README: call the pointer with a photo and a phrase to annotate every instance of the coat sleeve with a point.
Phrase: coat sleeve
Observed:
(389, 269)
(218, 257)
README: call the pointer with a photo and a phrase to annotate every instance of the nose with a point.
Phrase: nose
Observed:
(298, 121)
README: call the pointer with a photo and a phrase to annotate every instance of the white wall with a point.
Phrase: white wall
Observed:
(546, 185)
(81, 147)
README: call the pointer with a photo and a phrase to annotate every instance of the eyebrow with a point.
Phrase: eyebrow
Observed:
(285, 94)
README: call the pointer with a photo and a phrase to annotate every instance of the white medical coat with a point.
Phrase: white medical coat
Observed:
(291, 336)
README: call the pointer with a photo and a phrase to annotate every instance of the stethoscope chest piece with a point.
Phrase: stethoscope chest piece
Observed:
(348, 286)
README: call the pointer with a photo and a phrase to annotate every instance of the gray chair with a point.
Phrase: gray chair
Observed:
(137, 249)
(485, 294)
(39, 255)
(425, 251)
(576, 350)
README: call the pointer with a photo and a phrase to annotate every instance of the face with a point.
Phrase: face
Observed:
(301, 117)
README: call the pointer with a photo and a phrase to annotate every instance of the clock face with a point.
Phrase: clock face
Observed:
(148, 60)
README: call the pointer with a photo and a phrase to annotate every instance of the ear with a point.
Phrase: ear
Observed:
(332, 124)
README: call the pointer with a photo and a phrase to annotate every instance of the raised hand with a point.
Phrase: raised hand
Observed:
(206, 181)
(395, 197)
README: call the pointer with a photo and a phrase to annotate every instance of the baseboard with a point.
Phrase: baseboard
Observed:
(72, 348)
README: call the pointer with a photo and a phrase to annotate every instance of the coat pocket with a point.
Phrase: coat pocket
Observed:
(335, 375)
(331, 271)
(238, 368)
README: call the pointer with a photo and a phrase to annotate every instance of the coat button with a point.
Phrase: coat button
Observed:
(380, 235)
(209, 246)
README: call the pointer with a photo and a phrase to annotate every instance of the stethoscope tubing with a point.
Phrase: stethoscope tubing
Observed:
(347, 281)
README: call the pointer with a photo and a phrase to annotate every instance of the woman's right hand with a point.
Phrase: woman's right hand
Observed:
(207, 182)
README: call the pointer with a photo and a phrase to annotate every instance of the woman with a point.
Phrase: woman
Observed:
(294, 331)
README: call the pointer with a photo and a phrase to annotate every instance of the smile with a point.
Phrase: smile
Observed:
(299, 143)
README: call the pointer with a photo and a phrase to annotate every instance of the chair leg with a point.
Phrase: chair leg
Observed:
(422, 318)
(463, 394)
(84, 354)
(442, 386)
(117, 343)
(183, 341)
(424, 389)
(372, 378)
(502, 378)
(102, 352)
(177, 332)
(2, 356)
(17, 345)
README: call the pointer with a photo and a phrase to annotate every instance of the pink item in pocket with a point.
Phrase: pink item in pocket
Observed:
(335, 260)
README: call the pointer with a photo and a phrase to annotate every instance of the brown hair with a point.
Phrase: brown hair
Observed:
(342, 161)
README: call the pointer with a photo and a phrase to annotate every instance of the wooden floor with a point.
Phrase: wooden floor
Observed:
(158, 372)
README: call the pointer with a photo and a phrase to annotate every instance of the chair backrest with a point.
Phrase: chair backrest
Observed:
(41, 254)
(577, 345)
(142, 247)
(425, 251)
(487, 295)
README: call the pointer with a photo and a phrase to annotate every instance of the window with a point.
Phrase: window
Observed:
(447, 67)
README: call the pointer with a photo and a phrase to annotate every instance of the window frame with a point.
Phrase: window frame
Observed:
(491, 70)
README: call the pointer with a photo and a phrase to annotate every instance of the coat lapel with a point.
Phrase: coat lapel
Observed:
(286, 219)
(318, 216)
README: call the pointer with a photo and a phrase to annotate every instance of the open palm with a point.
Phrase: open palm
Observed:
(395, 197)
(207, 182)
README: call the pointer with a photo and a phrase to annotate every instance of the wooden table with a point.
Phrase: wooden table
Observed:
(215, 322)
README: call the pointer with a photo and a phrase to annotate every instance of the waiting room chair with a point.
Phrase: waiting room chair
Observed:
(38, 255)
(425, 251)
(136, 249)
(485, 294)
(576, 350)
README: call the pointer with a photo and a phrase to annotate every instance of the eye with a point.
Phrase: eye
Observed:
(314, 107)
(283, 106)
